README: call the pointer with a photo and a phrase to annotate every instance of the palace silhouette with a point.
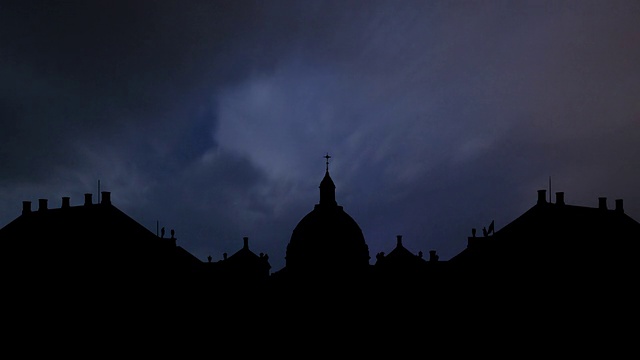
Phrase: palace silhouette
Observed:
(96, 247)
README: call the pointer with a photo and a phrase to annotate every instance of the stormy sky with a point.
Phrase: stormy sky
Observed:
(212, 117)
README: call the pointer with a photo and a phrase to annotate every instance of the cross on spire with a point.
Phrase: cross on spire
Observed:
(327, 157)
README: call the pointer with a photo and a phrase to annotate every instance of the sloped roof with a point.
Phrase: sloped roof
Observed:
(400, 255)
(86, 234)
(559, 232)
(246, 257)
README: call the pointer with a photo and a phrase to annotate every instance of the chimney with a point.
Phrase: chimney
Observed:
(87, 199)
(399, 240)
(559, 198)
(542, 196)
(106, 198)
(65, 202)
(433, 256)
(602, 203)
(26, 207)
(246, 242)
(619, 205)
(42, 204)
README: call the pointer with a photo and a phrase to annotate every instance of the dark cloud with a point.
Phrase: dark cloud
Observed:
(77, 73)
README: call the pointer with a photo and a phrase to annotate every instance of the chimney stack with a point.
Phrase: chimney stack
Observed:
(26, 207)
(398, 240)
(65, 202)
(87, 199)
(106, 198)
(542, 196)
(42, 204)
(246, 242)
(619, 205)
(602, 203)
(433, 256)
(559, 198)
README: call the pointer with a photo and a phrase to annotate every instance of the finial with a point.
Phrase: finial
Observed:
(327, 157)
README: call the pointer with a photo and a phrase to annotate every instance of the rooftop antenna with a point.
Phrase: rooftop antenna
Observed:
(549, 189)
(327, 157)
(98, 191)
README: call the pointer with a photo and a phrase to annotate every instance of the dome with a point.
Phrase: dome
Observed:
(327, 239)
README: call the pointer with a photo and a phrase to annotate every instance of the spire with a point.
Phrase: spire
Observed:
(327, 157)
(327, 187)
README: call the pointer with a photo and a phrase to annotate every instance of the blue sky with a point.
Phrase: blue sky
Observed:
(212, 117)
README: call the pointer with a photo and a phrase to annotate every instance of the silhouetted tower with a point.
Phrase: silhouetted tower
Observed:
(327, 188)
(327, 242)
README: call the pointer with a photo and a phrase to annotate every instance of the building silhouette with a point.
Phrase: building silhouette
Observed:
(98, 236)
(96, 246)
(555, 245)
(327, 244)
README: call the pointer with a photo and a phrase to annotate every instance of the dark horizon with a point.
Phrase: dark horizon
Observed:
(43, 205)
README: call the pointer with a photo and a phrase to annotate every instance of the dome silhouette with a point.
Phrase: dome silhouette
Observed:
(327, 240)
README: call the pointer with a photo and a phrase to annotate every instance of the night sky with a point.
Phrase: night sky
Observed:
(213, 117)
